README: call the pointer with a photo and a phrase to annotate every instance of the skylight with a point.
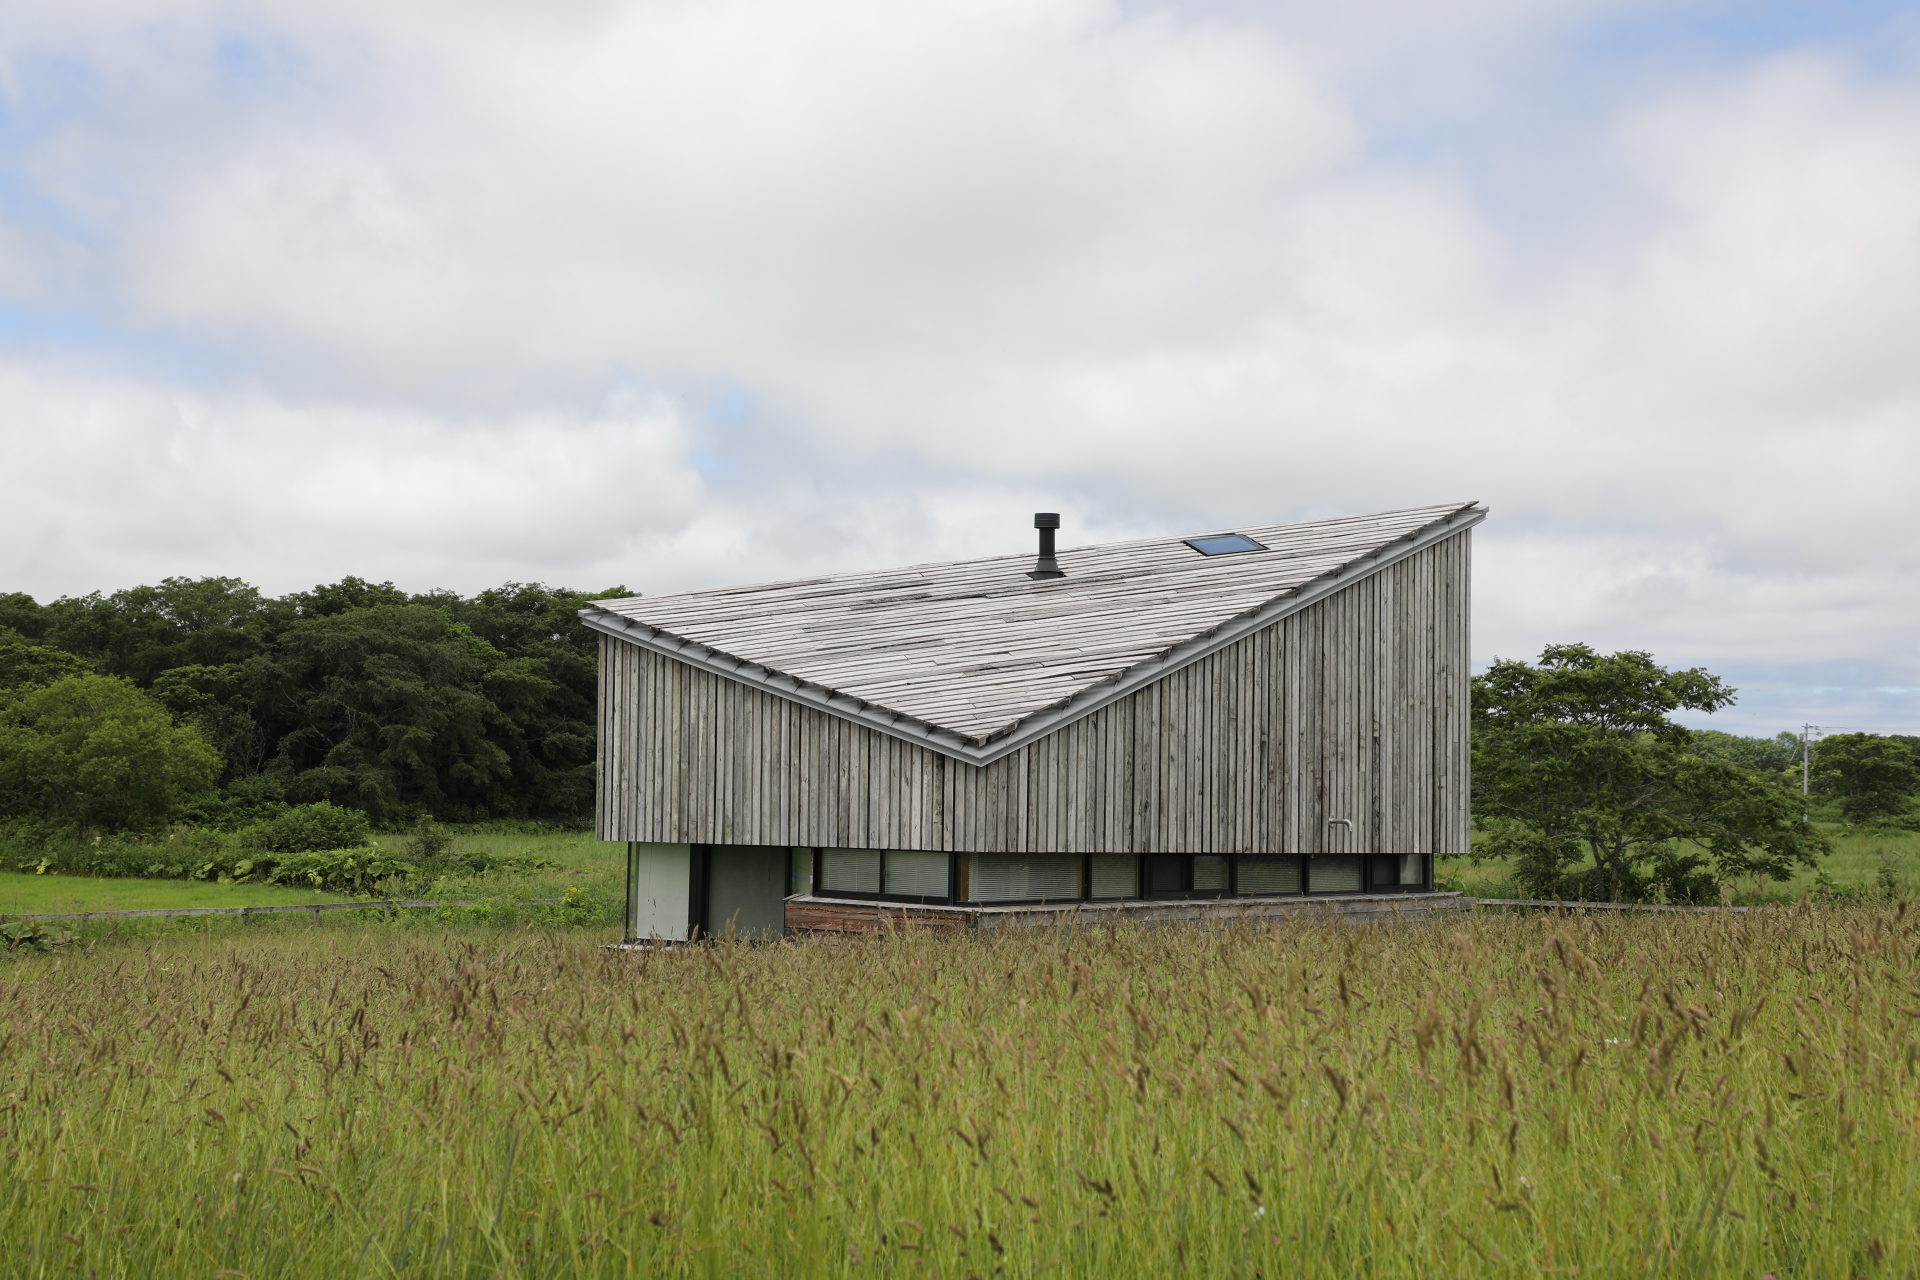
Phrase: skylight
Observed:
(1223, 544)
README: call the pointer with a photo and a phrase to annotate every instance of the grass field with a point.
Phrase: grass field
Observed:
(1855, 862)
(584, 864)
(22, 893)
(1669, 1096)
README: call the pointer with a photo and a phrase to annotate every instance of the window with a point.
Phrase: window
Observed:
(850, 870)
(912, 874)
(1023, 877)
(1266, 877)
(916, 873)
(1333, 875)
(1115, 875)
(1166, 873)
(1224, 544)
(800, 879)
(1393, 872)
(1187, 875)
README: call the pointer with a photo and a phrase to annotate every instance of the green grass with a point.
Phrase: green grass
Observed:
(30, 894)
(1674, 1096)
(1857, 859)
(1855, 862)
(597, 867)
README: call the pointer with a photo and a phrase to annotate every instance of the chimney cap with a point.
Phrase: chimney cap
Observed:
(1046, 519)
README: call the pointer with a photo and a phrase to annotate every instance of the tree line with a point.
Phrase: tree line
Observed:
(207, 702)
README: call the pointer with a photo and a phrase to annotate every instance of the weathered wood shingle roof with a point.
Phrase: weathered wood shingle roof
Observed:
(973, 657)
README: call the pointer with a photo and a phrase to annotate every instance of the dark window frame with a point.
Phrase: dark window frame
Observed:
(909, 899)
(1186, 893)
(1143, 891)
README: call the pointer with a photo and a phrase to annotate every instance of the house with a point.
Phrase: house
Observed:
(1251, 721)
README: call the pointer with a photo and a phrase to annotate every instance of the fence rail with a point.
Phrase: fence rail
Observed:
(1593, 906)
(315, 907)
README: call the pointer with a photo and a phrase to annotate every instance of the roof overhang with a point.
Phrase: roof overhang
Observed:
(1003, 742)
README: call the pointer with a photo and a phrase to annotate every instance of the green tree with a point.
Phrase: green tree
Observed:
(1575, 758)
(1770, 756)
(19, 612)
(1872, 777)
(390, 709)
(22, 663)
(93, 751)
(143, 631)
(468, 707)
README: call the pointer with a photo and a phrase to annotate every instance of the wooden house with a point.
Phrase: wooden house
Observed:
(1257, 720)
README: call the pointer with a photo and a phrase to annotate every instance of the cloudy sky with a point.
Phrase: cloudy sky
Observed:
(677, 293)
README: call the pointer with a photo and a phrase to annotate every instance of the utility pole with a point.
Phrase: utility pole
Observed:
(1805, 731)
(1806, 755)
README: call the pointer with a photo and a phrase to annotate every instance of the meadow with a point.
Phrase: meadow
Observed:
(1861, 862)
(577, 861)
(23, 892)
(1503, 1095)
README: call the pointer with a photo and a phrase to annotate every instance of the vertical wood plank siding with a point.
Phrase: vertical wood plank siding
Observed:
(1354, 708)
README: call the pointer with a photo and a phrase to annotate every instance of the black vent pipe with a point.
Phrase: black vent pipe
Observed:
(1046, 566)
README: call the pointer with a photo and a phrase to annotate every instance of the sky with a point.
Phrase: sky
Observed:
(684, 293)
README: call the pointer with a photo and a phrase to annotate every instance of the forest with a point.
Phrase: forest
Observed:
(206, 702)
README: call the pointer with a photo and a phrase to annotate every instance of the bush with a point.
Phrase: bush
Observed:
(309, 828)
(429, 842)
(358, 870)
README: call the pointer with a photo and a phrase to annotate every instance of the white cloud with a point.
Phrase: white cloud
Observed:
(127, 483)
(942, 264)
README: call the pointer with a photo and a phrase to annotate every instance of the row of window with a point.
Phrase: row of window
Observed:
(922, 876)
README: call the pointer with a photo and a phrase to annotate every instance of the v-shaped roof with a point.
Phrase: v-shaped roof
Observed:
(974, 659)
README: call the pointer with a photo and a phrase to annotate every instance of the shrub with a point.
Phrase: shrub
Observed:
(429, 842)
(358, 869)
(309, 828)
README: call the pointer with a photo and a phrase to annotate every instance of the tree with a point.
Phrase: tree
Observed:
(468, 707)
(1872, 777)
(22, 663)
(94, 751)
(1575, 759)
(1770, 756)
(143, 631)
(19, 612)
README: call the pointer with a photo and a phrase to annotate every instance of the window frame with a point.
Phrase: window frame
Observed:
(819, 890)
(1143, 891)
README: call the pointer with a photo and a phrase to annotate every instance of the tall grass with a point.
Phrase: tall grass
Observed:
(1679, 1096)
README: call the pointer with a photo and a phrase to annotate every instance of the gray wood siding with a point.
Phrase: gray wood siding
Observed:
(1355, 707)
